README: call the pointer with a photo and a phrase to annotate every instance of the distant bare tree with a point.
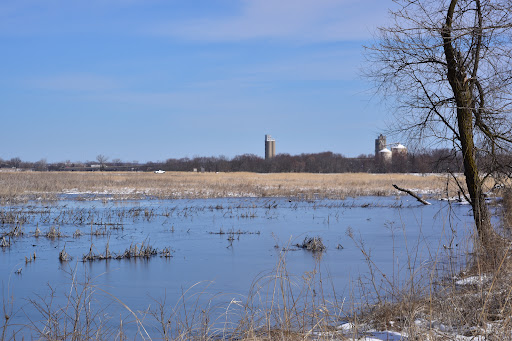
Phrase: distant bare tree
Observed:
(117, 162)
(447, 65)
(102, 159)
(15, 162)
(41, 165)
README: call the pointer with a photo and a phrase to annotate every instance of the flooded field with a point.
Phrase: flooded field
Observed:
(139, 255)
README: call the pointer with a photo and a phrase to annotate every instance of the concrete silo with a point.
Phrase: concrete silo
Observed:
(270, 147)
(385, 155)
(380, 144)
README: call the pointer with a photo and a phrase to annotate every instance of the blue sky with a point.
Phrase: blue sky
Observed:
(149, 80)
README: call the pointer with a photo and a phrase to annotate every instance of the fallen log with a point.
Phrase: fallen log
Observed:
(412, 194)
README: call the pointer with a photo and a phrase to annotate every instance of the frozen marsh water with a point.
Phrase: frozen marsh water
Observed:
(222, 244)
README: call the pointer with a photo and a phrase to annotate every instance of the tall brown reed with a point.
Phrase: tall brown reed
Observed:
(48, 185)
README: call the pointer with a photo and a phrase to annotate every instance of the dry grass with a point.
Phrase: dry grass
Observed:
(476, 306)
(507, 211)
(171, 185)
(472, 304)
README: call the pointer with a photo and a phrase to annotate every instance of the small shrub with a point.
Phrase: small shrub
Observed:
(314, 244)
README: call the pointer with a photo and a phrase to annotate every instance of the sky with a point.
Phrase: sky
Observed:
(148, 80)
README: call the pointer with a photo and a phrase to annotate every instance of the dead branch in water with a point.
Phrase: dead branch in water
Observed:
(412, 194)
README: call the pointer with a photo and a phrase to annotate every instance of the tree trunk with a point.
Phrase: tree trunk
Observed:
(459, 83)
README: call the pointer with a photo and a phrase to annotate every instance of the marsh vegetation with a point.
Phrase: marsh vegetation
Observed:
(148, 253)
(22, 186)
(298, 267)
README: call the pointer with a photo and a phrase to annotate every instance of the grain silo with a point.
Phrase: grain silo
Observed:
(270, 147)
(385, 155)
(399, 149)
(380, 144)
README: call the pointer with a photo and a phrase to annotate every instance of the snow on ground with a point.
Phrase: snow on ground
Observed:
(422, 191)
(460, 201)
(122, 191)
(438, 330)
(385, 335)
(436, 174)
(346, 326)
(349, 332)
(473, 280)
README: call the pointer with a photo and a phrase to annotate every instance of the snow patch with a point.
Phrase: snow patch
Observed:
(126, 190)
(473, 280)
(346, 326)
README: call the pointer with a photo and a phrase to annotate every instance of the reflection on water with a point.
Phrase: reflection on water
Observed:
(222, 244)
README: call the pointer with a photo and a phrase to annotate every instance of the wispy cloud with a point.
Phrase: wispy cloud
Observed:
(303, 20)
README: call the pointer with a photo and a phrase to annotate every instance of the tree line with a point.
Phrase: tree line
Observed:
(432, 161)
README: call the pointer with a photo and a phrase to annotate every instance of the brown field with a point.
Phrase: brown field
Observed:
(173, 185)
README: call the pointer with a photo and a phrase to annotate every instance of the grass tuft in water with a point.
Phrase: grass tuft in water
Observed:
(314, 244)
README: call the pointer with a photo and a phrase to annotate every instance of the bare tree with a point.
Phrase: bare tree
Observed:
(15, 162)
(102, 159)
(41, 165)
(447, 66)
(117, 162)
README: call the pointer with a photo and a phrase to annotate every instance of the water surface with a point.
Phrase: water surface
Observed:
(395, 233)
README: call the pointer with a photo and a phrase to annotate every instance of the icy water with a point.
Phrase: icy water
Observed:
(220, 246)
